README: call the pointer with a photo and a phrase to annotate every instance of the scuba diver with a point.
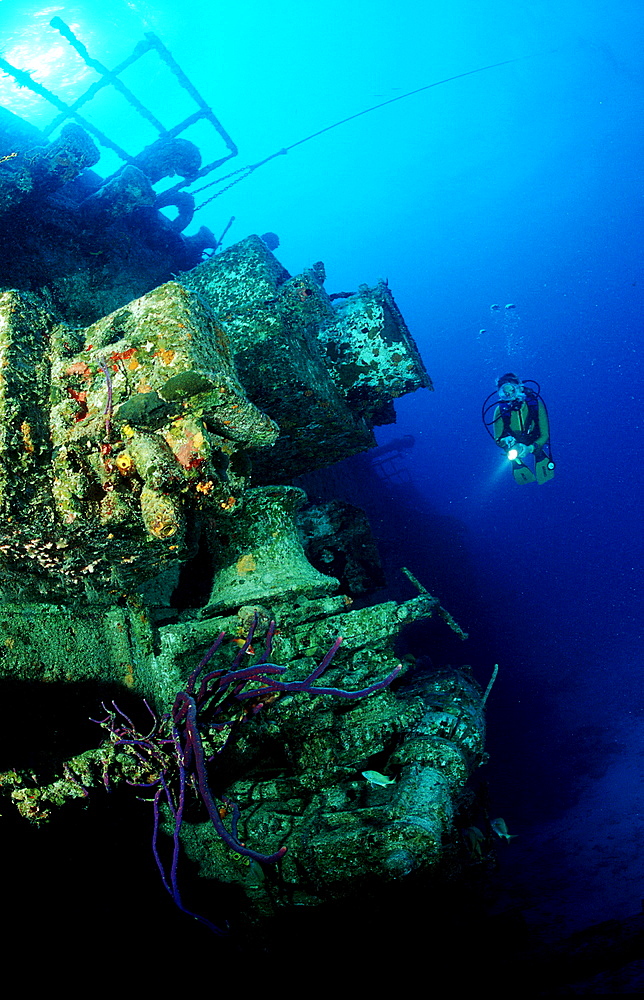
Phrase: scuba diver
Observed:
(520, 427)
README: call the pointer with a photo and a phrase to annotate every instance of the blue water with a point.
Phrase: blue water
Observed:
(520, 184)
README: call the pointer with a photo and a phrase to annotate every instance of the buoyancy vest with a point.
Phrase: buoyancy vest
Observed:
(529, 429)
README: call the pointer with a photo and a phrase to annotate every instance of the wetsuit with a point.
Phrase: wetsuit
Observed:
(524, 420)
(527, 422)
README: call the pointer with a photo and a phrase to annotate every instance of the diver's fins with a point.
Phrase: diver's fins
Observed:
(522, 473)
(544, 469)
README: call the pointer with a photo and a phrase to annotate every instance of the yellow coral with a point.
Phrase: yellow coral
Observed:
(25, 430)
(161, 513)
(124, 463)
(247, 563)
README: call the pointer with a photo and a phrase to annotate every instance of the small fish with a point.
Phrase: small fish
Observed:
(474, 838)
(482, 331)
(241, 642)
(501, 830)
(510, 305)
(375, 778)
(495, 306)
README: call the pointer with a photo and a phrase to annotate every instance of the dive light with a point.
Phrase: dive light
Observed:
(513, 454)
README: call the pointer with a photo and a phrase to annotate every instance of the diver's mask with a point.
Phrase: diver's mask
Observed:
(510, 391)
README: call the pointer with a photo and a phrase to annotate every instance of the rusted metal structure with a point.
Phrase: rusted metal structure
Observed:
(112, 78)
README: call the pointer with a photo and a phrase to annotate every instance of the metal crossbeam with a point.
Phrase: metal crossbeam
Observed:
(111, 78)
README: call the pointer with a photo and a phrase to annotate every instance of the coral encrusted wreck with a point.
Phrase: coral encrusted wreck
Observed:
(147, 505)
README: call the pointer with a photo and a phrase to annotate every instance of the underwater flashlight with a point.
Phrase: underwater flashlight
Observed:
(513, 454)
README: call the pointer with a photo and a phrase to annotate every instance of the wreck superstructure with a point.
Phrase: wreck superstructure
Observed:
(154, 409)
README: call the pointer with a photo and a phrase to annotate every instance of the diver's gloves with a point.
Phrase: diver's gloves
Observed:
(507, 442)
(523, 449)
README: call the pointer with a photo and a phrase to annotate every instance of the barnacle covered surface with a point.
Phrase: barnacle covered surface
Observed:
(327, 373)
(146, 431)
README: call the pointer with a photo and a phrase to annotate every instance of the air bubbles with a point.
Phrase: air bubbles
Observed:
(504, 332)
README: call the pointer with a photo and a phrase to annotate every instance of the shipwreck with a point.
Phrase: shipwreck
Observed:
(159, 393)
